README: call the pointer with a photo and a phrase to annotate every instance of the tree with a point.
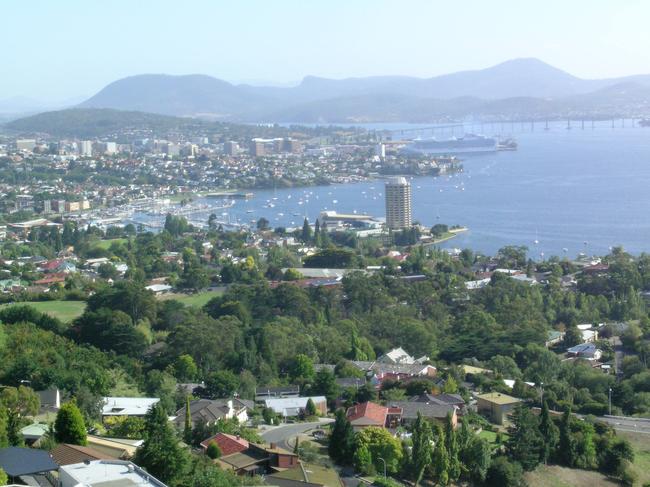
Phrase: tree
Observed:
(548, 432)
(566, 452)
(525, 444)
(221, 384)
(504, 473)
(160, 453)
(19, 402)
(4, 438)
(213, 451)
(269, 416)
(4, 479)
(310, 408)
(69, 425)
(422, 447)
(187, 430)
(379, 443)
(341, 442)
(451, 443)
(325, 385)
(262, 224)
(185, 368)
(440, 463)
(302, 369)
(305, 235)
(477, 457)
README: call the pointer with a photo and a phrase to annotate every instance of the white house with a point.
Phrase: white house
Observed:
(128, 406)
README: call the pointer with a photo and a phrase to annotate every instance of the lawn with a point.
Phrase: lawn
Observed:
(105, 244)
(556, 476)
(491, 436)
(641, 444)
(197, 299)
(66, 311)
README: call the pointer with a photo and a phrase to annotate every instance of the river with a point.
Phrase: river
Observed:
(561, 193)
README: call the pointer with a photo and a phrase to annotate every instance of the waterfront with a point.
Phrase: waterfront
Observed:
(562, 188)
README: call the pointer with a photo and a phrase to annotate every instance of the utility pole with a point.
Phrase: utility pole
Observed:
(610, 401)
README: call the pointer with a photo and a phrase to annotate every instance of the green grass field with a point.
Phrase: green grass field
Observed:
(556, 476)
(105, 244)
(66, 311)
(198, 299)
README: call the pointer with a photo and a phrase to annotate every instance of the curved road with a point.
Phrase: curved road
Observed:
(282, 433)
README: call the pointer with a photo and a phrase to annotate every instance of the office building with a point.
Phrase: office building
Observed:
(257, 148)
(230, 148)
(380, 151)
(86, 148)
(398, 203)
(24, 202)
(25, 144)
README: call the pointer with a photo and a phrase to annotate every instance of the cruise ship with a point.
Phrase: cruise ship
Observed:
(469, 143)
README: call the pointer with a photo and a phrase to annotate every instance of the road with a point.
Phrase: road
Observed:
(622, 423)
(284, 432)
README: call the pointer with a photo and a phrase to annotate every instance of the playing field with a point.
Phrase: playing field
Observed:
(66, 311)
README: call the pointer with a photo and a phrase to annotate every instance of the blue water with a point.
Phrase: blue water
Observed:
(579, 190)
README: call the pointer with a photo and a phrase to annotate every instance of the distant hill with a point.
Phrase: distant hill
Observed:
(525, 87)
(88, 122)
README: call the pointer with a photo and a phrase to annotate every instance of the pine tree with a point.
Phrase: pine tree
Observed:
(525, 444)
(306, 232)
(310, 409)
(440, 463)
(341, 444)
(566, 452)
(187, 431)
(161, 454)
(451, 443)
(422, 450)
(317, 239)
(549, 433)
(69, 426)
(4, 437)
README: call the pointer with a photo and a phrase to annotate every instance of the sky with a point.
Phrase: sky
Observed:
(59, 50)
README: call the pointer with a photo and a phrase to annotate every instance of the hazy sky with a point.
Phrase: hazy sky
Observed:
(58, 49)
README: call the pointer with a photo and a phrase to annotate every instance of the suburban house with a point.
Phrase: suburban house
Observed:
(378, 371)
(496, 406)
(128, 406)
(50, 400)
(369, 414)
(115, 448)
(290, 407)
(65, 454)
(259, 460)
(211, 411)
(27, 464)
(104, 473)
(400, 356)
(228, 444)
(444, 400)
(587, 351)
(264, 393)
(308, 475)
(554, 337)
(433, 411)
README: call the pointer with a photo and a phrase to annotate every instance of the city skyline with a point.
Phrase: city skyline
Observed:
(277, 44)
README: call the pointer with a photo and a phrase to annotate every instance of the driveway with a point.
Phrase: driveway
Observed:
(280, 434)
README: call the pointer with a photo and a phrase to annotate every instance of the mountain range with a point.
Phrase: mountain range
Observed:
(520, 88)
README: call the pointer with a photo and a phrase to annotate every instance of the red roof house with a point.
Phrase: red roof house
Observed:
(228, 444)
(370, 414)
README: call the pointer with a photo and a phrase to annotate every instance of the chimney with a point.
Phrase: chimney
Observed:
(273, 446)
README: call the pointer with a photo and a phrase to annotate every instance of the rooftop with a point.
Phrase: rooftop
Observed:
(128, 406)
(498, 398)
(106, 473)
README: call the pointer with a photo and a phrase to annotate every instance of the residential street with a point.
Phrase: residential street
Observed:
(281, 434)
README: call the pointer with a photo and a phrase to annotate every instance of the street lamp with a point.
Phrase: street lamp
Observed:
(541, 399)
(384, 461)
